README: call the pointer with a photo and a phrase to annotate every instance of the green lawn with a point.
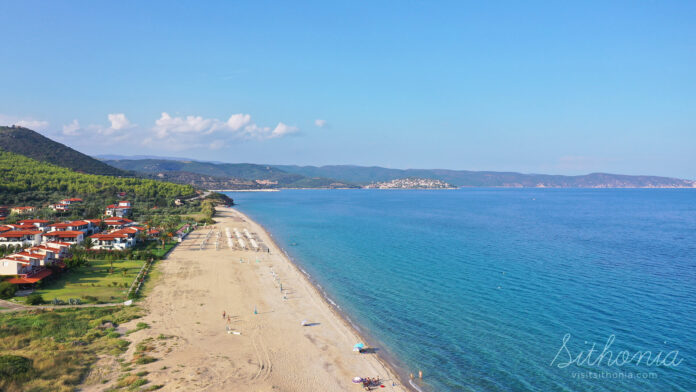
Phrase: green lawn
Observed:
(93, 283)
(155, 247)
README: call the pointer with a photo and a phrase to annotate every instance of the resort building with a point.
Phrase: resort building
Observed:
(60, 207)
(115, 241)
(40, 224)
(88, 227)
(23, 210)
(71, 201)
(117, 223)
(51, 254)
(21, 237)
(61, 249)
(67, 236)
(11, 265)
(123, 208)
(43, 259)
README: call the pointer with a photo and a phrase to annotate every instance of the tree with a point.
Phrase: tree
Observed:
(7, 290)
(88, 243)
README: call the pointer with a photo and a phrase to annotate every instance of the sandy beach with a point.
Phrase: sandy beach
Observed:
(272, 350)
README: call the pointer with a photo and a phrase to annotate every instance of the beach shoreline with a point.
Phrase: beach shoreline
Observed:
(398, 372)
(263, 343)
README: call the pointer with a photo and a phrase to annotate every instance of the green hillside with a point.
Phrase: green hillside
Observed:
(24, 180)
(31, 144)
(226, 171)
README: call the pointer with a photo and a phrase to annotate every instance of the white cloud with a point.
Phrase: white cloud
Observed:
(72, 129)
(28, 122)
(119, 121)
(282, 130)
(237, 126)
(320, 123)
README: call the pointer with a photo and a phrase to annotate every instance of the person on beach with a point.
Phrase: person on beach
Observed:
(223, 314)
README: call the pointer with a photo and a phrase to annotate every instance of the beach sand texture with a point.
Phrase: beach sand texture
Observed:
(273, 351)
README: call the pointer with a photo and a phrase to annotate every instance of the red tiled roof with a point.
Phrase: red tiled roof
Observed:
(109, 236)
(64, 234)
(32, 221)
(23, 227)
(42, 247)
(33, 279)
(19, 233)
(33, 255)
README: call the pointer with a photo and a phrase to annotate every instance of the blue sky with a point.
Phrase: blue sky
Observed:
(545, 87)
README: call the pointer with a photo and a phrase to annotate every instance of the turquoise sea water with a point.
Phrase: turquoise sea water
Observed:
(478, 287)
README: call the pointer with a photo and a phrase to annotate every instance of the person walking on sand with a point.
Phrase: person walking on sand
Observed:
(223, 314)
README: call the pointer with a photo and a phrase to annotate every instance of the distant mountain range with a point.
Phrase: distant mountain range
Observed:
(339, 176)
(214, 175)
(364, 175)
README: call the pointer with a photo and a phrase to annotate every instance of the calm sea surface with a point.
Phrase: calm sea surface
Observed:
(478, 287)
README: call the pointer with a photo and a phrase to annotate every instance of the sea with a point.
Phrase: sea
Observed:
(486, 289)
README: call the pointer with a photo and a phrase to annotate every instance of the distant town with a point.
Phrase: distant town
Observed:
(410, 183)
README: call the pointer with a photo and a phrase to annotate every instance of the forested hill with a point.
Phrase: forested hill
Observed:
(31, 144)
(239, 173)
(25, 180)
(365, 175)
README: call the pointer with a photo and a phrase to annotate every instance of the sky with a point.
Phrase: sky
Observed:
(534, 87)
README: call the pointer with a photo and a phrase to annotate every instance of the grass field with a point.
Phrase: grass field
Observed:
(93, 283)
(61, 345)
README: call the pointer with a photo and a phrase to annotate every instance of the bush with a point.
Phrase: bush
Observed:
(7, 290)
(35, 299)
(14, 367)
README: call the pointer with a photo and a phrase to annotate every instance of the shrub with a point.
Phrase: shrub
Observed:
(15, 367)
(7, 290)
(35, 299)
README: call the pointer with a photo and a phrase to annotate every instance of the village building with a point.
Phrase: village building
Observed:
(67, 236)
(59, 207)
(11, 265)
(38, 224)
(23, 210)
(88, 227)
(21, 237)
(117, 223)
(70, 201)
(121, 209)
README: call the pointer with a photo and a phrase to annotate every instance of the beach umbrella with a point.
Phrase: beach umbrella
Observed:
(358, 347)
(357, 380)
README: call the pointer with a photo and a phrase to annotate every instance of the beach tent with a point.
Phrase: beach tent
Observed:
(358, 347)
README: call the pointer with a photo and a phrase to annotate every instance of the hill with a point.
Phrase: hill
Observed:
(265, 176)
(365, 175)
(24, 180)
(32, 144)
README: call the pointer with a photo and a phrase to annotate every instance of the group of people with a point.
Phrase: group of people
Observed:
(368, 382)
